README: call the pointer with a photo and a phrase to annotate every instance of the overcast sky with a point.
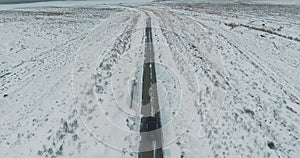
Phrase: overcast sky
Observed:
(20, 1)
(23, 1)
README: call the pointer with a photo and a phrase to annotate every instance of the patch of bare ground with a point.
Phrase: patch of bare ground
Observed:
(53, 13)
(233, 25)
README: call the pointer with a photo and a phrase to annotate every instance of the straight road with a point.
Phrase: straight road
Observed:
(151, 142)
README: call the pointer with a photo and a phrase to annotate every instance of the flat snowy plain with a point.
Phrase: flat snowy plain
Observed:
(65, 69)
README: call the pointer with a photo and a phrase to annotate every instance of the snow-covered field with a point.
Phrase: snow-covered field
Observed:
(71, 72)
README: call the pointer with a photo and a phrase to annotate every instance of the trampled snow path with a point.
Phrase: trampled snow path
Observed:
(226, 91)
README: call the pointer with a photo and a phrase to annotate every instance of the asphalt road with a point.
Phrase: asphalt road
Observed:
(150, 106)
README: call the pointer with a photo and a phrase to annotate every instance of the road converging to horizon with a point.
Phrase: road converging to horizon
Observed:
(150, 127)
(149, 80)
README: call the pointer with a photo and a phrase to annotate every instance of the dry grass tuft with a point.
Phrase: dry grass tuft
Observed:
(231, 25)
(54, 13)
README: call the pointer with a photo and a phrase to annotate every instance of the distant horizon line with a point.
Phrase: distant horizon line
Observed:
(24, 1)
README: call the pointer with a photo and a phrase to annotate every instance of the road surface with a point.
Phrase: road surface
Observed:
(57, 64)
(150, 105)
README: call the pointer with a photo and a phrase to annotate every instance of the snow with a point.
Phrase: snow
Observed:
(71, 78)
(71, 3)
(260, 79)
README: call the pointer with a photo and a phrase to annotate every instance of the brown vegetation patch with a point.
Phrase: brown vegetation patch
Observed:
(233, 25)
(53, 13)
